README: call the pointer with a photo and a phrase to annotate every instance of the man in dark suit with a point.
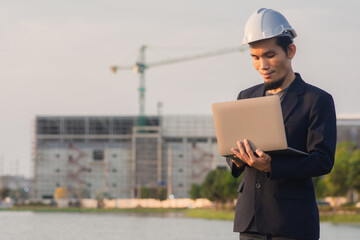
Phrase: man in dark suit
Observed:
(276, 196)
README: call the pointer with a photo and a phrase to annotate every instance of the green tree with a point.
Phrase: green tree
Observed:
(212, 187)
(220, 186)
(161, 193)
(5, 192)
(230, 185)
(353, 177)
(320, 186)
(195, 191)
(101, 195)
(337, 182)
(144, 192)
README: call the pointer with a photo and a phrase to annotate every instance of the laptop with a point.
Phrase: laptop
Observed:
(258, 119)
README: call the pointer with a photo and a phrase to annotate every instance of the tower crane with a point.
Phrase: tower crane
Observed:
(141, 66)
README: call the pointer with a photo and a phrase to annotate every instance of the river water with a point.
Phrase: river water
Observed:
(111, 226)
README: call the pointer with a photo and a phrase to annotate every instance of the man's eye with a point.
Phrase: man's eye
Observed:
(271, 56)
(255, 58)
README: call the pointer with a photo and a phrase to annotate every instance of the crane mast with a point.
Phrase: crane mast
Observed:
(141, 70)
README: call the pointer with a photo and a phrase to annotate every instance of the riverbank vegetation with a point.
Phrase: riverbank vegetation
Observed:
(344, 179)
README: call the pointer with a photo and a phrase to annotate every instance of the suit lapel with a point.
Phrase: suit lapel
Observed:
(260, 91)
(292, 97)
(288, 104)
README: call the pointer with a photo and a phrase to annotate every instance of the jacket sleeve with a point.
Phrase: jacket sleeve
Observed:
(320, 144)
(235, 171)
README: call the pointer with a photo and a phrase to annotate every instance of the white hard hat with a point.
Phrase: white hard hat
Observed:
(266, 23)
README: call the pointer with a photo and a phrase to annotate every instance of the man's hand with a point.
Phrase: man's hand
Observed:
(261, 161)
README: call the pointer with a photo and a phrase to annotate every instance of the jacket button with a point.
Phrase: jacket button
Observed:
(258, 185)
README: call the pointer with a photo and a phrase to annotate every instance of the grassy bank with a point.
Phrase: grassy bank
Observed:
(210, 214)
(327, 216)
(192, 213)
(229, 215)
(340, 218)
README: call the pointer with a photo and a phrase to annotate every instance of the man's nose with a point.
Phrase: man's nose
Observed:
(264, 64)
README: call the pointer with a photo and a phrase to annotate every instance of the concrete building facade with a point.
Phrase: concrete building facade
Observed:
(349, 129)
(107, 154)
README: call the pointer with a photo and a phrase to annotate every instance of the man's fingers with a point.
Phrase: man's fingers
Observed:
(240, 146)
(237, 155)
(241, 149)
(236, 152)
(248, 149)
(257, 159)
(260, 153)
(240, 153)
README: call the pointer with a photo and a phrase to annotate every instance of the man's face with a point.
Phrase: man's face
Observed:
(271, 61)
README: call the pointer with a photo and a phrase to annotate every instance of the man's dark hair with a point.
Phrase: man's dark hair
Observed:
(284, 42)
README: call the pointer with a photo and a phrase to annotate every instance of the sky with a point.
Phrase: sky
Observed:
(55, 59)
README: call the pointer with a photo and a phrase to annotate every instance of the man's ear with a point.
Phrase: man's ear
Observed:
(291, 51)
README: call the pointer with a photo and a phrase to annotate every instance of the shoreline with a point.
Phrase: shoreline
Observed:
(211, 214)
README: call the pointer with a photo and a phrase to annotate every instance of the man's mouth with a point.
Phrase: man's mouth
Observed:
(267, 75)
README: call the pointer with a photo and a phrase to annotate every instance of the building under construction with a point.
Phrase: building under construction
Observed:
(91, 155)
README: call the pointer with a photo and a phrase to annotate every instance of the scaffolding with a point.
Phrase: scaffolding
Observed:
(146, 159)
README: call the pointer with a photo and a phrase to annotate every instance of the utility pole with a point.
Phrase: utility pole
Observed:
(106, 169)
(169, 175)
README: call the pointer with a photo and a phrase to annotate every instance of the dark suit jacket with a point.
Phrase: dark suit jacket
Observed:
(283, 201)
